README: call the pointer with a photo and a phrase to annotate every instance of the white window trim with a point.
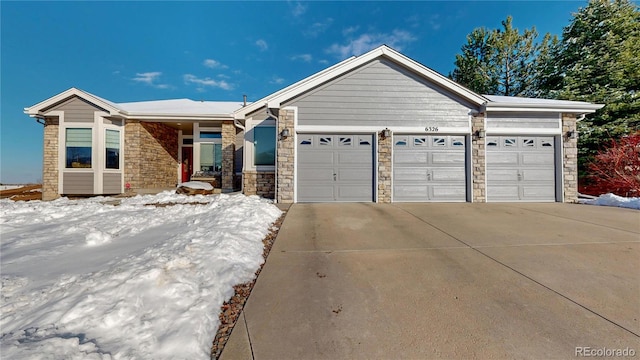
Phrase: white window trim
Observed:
(197, 140)
(249, 164)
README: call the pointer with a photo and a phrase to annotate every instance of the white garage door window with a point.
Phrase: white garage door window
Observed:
(335, 168)
(429, 168)
(520, 168)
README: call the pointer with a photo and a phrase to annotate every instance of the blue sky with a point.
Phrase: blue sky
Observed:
(135, 51)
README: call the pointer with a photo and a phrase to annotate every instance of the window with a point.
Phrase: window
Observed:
(306, 141)
(78, 148)
(420, 141)
(325, 141)
(112, 147)
(345, 141)
(210, 135)
(264, 145)
(210, 157)
(438, 141)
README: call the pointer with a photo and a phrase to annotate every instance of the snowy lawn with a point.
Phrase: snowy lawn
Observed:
(614, 200)
(86, 280)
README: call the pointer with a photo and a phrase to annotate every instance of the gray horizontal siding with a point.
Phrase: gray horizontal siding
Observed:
(506, 120)
(76, 110)
(77, 183)
(111, 183)
(381, 93)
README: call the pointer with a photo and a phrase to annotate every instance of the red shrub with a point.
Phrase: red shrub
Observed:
(616, 169)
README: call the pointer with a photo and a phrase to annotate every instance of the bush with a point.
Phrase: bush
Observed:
(615, 169)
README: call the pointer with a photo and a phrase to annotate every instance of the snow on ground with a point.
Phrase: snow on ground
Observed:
(614, 200)
(84, 279)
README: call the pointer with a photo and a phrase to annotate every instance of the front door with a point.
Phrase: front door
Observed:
(187, 163)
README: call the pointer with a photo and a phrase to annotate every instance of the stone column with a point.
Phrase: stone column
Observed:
(228, 155)
(50, 170)
(285, 154)
(132, 154)
(478, 157)
(384, 168)
(570, 159)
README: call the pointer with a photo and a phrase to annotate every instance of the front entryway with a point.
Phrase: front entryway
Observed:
(429, 168)
(335, 167)
(187, 163)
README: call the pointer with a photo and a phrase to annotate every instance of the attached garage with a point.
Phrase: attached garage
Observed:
(335, 167)
(429, 168)
(521, 168)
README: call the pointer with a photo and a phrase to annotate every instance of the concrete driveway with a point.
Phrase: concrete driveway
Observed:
(415, 281)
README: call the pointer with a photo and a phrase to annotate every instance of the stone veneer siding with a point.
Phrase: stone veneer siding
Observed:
(50, 171)
(286, 159)
(150, 155)
(259, 183)
(384, 168)
(570, 159)
(478, 160)
(228, 155)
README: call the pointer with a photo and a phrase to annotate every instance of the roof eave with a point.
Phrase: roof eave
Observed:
(563, 108)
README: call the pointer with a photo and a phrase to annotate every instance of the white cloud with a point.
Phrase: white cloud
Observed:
(207, 82)
(298, 9)
(323, 62)
(397, 39)
(350, 30)
(150, 78)
(276, 80)
(214, 64)
(318, 28)
(262, 44)
(434, 21)
(302, 57)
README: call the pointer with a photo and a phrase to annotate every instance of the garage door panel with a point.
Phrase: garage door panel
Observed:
(538, 175)
(355, 157)
(410, 174)
(311, 158)
(505, 158)
(353, 193)
(403, 192)
(411, 157)
(537, 159)
(537, 192)
(315, 192)
(448, 192)
(498, 175)
(357, 175)
(448, 158)
(448, 174)
(503, 192)
(315, 174)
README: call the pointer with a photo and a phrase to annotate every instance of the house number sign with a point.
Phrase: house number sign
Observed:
(431, 129)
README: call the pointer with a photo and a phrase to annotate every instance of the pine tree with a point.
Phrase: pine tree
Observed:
(501, 61)
(600, 62)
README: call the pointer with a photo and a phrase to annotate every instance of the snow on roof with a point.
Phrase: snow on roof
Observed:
(181, 106)
(523, 100)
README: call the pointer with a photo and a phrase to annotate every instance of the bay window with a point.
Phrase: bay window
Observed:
(78, 145)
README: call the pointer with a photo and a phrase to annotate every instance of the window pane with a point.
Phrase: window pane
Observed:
(264, 141)
(112, 140)
(210, 135)
(78, 148)
(217, 157)
(206, 157)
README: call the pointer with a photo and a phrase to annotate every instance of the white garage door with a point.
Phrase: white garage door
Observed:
(335, 168)
(520, 168)
(429, 168)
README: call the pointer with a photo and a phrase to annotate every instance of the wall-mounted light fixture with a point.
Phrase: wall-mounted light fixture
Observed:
(481, 134)
(386, 133)
(285, 133)
(572, 134)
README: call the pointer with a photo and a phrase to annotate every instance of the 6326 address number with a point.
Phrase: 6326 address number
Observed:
(431, 129)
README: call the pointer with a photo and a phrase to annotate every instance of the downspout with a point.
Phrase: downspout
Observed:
(275, 190)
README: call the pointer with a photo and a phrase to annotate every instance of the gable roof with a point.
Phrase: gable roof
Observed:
(274, 100)
(156, 109)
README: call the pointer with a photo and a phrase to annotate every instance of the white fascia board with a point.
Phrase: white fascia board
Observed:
(35, 110)
(522, 131)
(563, 108)
(374, 129)
(177, 117)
